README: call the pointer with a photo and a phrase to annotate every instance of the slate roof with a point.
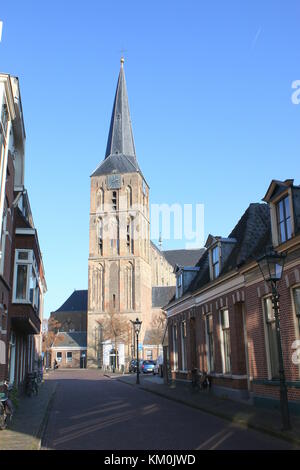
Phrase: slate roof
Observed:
(183, 257)
(72, 339)
(120, 153)
(162, 295)
(77, 302)
(252, 234)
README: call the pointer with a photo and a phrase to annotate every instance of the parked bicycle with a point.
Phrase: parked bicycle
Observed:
(6, 406)
(31, 384)
(200, 380)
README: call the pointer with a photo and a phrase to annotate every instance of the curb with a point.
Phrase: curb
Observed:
(239, 421)
(43, 425)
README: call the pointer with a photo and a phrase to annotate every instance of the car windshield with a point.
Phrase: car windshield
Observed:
(149, 363)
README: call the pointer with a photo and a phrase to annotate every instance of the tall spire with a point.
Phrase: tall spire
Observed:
(120, 151)
(120, 138)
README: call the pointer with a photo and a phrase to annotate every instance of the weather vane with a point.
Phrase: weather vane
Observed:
(122, 51)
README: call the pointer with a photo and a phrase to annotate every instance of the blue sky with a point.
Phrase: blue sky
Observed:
(209, 87)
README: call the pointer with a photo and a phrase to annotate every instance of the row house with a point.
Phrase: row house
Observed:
(22, 280)
(221, 319)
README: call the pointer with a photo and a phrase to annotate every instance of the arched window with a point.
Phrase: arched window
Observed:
(114, 200)
(100, 200)
(100, 287)
(129, 197)
(129, 236)
(129, 287)
(114, 232)
(100, 236)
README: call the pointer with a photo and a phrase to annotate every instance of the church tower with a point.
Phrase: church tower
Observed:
(119, 266)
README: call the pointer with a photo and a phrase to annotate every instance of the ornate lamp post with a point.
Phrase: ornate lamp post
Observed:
(137, 328)
(271, 266)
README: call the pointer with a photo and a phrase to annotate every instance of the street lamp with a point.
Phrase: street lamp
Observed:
(271, 266)
(137, 328)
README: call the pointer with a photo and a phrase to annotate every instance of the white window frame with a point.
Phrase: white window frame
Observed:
(274, 217)
(31, 265)
(267, 341)
(208, 352)
(222, 343)
(211, 265)
(175, 347)
(67, 358)
(183, 325)
(59, 359)
(295, 317)
(3, 238)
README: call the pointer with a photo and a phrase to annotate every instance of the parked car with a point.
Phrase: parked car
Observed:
(132, 366)
(147, 367)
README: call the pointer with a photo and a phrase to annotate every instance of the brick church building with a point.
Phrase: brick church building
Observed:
(129, 277)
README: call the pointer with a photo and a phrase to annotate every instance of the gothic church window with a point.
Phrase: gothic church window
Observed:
(129, 236)
(129, 287)
(100, 236)
(100, 199)
(114, 200)
(114, 236)
(129, 197)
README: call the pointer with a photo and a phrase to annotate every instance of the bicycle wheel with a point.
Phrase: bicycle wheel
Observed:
(3, 422)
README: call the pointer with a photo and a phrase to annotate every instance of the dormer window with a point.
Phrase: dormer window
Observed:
(215, 262)
(283, 197)
(179, 284)
(284, 222)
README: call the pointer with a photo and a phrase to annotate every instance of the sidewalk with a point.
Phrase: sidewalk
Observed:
(29, 419)
(243, 414)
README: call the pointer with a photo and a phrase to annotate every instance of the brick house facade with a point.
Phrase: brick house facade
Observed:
(223, 322)
(22, 281)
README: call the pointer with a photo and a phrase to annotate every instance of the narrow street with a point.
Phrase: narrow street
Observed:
(91, 411)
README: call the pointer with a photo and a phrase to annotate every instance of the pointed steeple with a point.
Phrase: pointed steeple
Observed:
(120, 150)
(120, 138)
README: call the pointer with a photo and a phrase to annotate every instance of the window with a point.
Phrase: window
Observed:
(3, 238)
(210, 342)
(175, 348)
(26, 279)
(58, 356)
(22, 273)
(179, 284)
(271, 338)
(183, 346)
(114, 201)
(284, 220)
(100, 200)
(69, 356)
(114, 233)
(226, 350)
(129, 287)
(129, 239)
(149, 354)
(129, 197)
(216, 262)
(296, 297)
(100, 236)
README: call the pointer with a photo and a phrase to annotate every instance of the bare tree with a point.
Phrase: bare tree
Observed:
(155, 335)
(51, 335)
(116, 328)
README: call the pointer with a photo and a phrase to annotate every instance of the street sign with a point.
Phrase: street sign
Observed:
(140, 347)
